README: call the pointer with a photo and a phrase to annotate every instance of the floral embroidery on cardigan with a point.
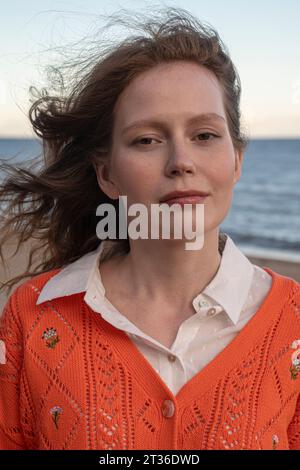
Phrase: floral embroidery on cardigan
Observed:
(51, 337)
(56, 412)
(295, 367)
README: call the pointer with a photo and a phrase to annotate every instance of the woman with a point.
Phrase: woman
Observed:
(139, 343)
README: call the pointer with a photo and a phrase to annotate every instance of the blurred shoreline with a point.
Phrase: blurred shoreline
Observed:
(286, 264)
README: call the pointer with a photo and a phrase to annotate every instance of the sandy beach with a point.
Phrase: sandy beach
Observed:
(18, 263)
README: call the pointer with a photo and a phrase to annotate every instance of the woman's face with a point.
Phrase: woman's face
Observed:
(161, 143)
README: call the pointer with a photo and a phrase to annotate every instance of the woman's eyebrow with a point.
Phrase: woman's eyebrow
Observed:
(199, 118)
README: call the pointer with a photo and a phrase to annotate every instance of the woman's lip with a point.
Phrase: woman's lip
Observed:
(185, 200)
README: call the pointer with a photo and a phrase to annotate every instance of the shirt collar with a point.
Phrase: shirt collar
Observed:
(229, 287)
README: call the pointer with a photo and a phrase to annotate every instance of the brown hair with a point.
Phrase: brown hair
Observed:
(57, 204)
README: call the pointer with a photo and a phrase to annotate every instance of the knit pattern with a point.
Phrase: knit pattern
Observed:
(71, 380)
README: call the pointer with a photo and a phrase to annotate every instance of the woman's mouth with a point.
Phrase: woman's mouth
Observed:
(185, 200)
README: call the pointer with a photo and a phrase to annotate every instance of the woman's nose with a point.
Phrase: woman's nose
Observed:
(179, 163)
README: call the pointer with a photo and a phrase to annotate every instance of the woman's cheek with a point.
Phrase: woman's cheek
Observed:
(140, 181)
(132, 184)
(222, 175)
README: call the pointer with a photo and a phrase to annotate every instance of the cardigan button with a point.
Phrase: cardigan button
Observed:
(168, 408)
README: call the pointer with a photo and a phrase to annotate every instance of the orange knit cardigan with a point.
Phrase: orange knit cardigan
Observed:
(70, 380)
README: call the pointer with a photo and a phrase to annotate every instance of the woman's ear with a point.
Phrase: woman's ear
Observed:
(239, 155)
(104, 180)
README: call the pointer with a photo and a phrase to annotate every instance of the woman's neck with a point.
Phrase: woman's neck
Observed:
(163, 272)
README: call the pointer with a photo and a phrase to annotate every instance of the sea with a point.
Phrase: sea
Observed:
(264, 219)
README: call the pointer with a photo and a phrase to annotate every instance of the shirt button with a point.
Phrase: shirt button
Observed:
(211, 312)
(171, 358)
(203, 303)
(168, 408)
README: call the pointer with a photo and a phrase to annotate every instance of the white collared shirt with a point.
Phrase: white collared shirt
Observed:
(222, 309)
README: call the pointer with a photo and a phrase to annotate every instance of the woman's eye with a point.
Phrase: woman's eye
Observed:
(144, 140)
(207, 134)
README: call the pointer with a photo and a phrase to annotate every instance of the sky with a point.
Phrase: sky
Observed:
(262, 36)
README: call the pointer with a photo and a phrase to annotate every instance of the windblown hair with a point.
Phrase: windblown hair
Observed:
(56, 204)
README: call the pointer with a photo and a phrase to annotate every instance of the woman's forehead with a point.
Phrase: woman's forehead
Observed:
(177, 90)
